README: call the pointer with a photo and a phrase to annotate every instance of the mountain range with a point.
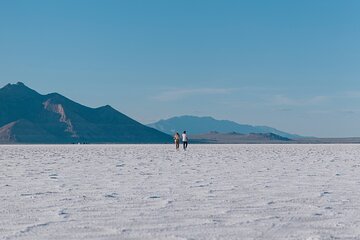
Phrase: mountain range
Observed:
(29, 117)
(204, 125)
(238, 138)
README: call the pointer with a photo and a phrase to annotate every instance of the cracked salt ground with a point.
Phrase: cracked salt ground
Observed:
(155, 192)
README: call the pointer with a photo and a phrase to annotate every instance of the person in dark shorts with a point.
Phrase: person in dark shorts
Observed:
(184, 140)
(177, 140)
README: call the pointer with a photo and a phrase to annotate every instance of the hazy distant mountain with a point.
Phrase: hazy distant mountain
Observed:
(233, 138)
(202, 125)
(29, 117)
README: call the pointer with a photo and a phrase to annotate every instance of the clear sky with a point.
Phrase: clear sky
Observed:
(293, 65)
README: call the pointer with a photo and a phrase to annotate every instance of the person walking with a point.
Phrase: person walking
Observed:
(184, 140)
(177, 140)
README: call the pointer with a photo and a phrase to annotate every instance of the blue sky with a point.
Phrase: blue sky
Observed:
(293, 65)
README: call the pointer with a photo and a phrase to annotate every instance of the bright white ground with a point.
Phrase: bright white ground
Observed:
(155, 192)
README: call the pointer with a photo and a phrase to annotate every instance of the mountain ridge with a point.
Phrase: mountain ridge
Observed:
(203, 125)
(29, 117)
(238, 138)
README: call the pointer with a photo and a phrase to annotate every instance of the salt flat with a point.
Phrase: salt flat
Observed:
(156, 192)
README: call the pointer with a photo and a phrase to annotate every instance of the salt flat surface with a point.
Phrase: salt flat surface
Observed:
(155, 192)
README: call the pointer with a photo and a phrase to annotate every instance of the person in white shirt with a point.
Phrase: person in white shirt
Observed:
(184, 140)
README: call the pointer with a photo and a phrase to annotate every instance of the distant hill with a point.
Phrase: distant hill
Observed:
(235, 138)
(201, 125)
(29, 117)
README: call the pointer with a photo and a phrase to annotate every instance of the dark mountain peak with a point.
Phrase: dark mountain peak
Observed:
(53, 95)
(107, 107)
(56, 98)
(18, 89)
(17, 85)
(20, 84)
